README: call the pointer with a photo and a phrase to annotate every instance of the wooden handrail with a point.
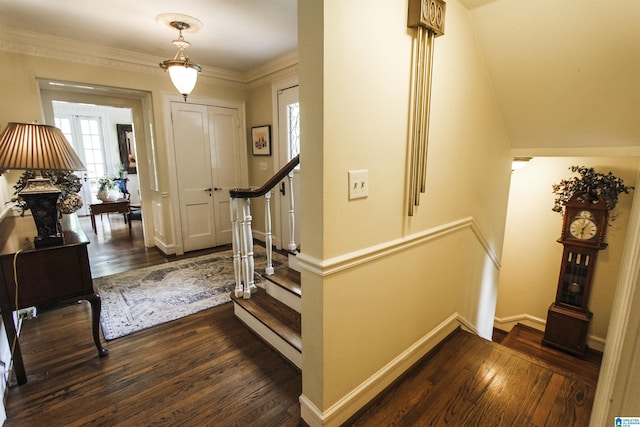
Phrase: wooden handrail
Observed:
(247, 193)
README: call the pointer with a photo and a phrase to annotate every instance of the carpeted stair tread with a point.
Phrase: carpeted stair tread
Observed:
(287, 279)
(275, 315)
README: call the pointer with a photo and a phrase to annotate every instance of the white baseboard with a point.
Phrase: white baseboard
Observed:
(340, 411)
(164, 248)
(507, 323)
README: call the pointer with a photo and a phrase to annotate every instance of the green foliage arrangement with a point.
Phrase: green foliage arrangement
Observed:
(67, 182)
(106, 183)
(589, 182)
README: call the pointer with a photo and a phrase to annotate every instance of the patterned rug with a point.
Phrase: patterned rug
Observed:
(147, 297)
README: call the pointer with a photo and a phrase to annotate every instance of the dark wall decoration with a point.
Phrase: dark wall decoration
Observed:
(126, 147)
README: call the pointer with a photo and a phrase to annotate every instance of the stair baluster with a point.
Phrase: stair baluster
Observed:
(246, 252)
(268, 235)
(292, 222)
(235, 246)
(242, 235)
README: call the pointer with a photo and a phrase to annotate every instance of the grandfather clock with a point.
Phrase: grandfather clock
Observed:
(583, 232)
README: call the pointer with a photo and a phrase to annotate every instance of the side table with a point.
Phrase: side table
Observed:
(45, 276)
(119, 206)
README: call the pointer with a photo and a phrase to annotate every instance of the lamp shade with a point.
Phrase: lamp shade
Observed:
(36, 146)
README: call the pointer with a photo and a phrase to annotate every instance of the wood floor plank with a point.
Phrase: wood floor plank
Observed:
(155, 381)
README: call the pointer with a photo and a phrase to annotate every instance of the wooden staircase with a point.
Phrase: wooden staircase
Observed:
(273, 313)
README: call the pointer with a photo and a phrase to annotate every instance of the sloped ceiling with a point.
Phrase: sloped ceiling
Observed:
(566, 73)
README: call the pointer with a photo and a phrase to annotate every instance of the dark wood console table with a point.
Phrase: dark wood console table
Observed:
(46, 276)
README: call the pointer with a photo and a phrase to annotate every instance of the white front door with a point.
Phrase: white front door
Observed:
(289, 147)
(204, 142)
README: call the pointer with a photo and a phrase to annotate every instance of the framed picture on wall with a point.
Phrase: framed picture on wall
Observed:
(261, 140)
(125, 146)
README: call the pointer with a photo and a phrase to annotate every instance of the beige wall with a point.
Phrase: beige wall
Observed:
(259, 113)
(18, 78)
(531, 260)
(373, 287)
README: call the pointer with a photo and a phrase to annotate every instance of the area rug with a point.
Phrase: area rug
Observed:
(139, 299)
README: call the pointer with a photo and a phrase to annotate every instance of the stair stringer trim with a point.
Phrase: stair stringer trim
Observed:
(274, 340)
(356, 399)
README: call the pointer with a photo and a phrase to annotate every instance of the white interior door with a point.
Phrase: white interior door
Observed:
(205, 143)
(193, 167)
(223, 130)
(289, 147)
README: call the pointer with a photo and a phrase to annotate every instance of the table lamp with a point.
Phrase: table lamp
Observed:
(32, 146)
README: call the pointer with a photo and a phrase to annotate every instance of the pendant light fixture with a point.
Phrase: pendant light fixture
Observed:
(182, 71)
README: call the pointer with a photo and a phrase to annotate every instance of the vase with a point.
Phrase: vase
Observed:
(106, 196)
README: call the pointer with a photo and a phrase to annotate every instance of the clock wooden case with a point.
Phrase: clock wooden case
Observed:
(583, 233)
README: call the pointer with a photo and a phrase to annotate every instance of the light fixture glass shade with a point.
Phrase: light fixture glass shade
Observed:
(183, 77)
(34, 146)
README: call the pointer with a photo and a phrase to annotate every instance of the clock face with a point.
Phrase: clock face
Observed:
(583, 227)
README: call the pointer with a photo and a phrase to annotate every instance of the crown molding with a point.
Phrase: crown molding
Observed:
(277, 69)
(36, 44)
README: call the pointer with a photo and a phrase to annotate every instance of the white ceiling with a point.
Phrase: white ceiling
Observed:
(237, 35)
(566, 73)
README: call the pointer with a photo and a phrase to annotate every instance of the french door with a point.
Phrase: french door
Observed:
(85, 135)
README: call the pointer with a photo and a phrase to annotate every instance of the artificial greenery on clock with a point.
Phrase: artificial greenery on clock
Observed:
(590, 182)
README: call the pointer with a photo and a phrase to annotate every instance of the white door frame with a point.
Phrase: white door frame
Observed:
(172, 195)
(275, 147)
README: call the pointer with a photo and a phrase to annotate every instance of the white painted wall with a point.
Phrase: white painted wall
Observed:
(377, 283)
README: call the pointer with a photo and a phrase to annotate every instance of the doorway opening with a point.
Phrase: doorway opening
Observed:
(94, 132)
(86, 114)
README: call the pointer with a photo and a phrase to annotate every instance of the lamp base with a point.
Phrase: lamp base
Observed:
(42, 198)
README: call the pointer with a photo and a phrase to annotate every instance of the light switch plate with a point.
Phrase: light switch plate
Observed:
(358, 184)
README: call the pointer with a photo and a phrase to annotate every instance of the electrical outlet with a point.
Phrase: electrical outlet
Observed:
(358, 184)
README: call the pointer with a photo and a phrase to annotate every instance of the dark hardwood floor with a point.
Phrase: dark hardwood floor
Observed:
(209, 370)
(469, 381)
(112, 250)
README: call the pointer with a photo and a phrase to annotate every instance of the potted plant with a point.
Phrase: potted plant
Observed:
(608, 186)
(67, 182)
(106, 189)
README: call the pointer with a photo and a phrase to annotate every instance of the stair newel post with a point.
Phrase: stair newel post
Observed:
(247, 249)
(292, 222)
(269, 237)
(235, 246)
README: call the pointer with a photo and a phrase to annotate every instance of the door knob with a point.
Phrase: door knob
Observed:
(208, 190)
(282, 187)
